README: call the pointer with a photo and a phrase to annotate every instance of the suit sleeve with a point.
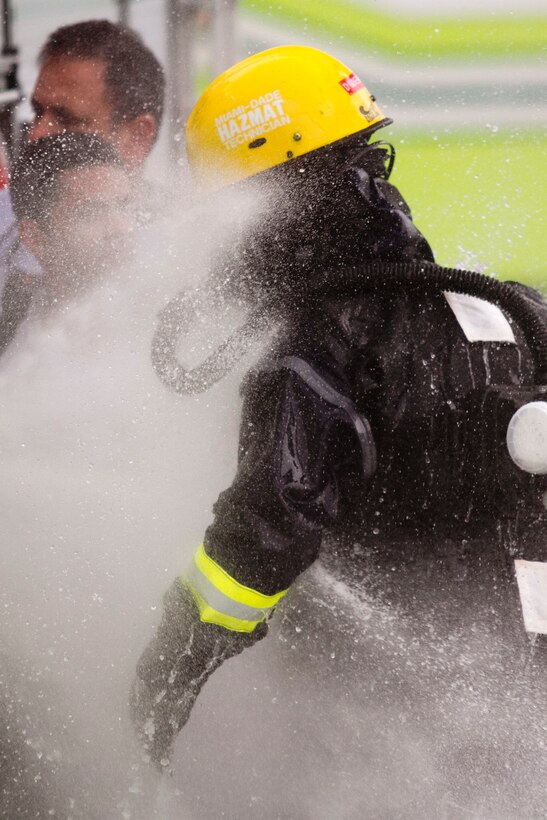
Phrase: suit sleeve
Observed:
(296, 437)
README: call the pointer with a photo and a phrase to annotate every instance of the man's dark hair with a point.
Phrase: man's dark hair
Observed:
(35, 175)
(134, 77)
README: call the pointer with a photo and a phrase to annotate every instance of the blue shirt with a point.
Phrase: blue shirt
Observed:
(13, 254)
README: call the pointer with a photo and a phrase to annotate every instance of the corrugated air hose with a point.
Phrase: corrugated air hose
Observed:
(176, 319)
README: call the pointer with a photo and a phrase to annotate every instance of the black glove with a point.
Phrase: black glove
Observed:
(173, 668)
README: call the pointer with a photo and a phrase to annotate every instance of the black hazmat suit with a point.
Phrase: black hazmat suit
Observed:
(374, 433)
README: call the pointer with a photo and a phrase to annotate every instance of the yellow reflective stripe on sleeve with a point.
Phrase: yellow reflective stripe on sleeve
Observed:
(213, 616)
(230, 587)
(224, 601)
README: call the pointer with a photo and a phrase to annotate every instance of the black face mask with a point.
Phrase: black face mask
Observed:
(338, 217)
(376, 159)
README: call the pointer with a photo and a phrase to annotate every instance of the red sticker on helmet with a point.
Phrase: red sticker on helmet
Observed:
(351, 84)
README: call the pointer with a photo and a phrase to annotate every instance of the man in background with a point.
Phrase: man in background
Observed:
(96, 77)
(71, 196)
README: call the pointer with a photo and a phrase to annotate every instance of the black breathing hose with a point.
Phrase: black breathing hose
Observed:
(430, 276)
(176, 318)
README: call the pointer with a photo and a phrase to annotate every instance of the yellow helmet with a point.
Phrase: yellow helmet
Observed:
(272, 107)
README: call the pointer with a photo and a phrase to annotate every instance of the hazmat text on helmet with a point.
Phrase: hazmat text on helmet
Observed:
(251, 120)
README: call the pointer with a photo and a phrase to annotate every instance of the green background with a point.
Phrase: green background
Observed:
(497, 35)
(480, 200)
